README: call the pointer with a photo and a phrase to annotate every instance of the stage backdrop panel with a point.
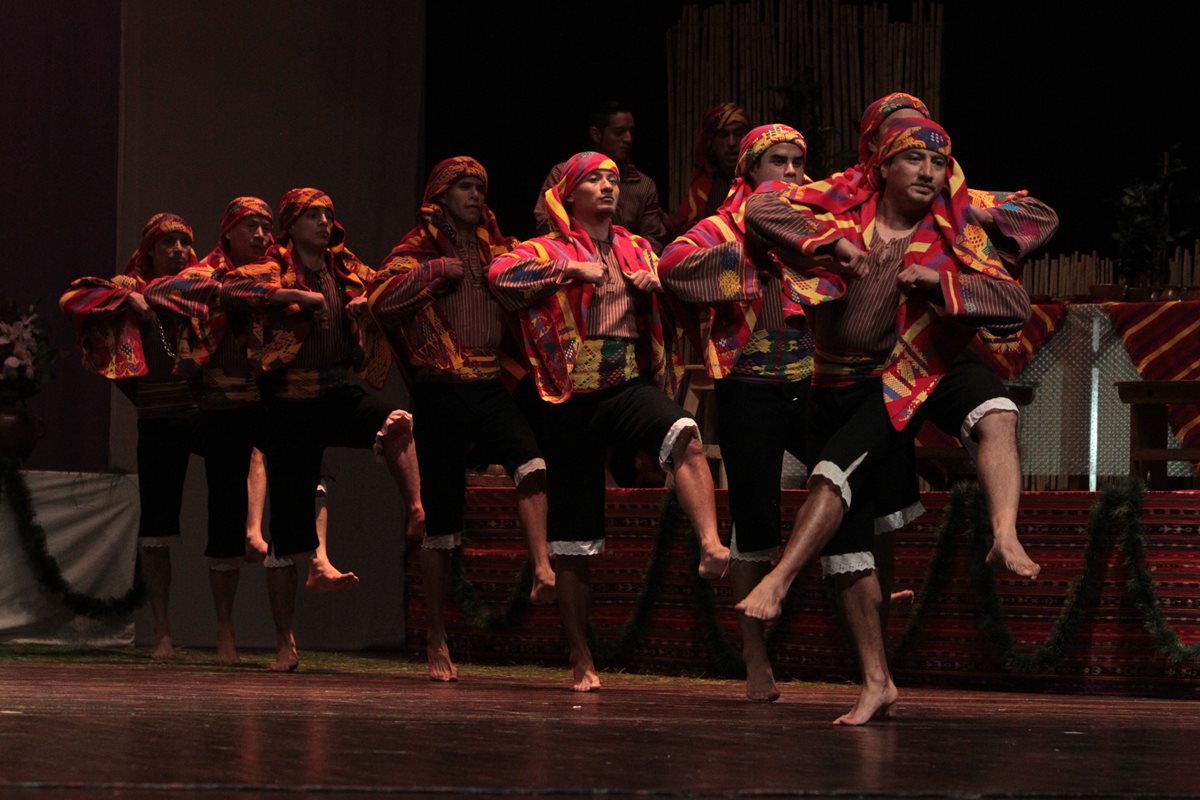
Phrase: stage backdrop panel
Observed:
(225, 98)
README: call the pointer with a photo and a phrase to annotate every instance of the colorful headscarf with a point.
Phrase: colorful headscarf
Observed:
(879, 111)
(296, 202)
(575, 169)
(971, 246)
(140, 264)
(238, 209)
(947, 240)
(714, 119)
(446, 172)
(426, 338)
(752, 147)
(432, 236)
(553, 329)
(722, 115)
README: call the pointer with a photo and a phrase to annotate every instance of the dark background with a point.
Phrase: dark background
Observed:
(1072, 107)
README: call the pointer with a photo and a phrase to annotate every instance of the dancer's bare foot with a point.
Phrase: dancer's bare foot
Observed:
(543, 591)
(163, 650)
(441, 668)
(714, 562)
(760, 681)
(286, 658)
(1008, 554)
(324, 577)
(583, 672)
(256, 547)
(902, 600)
(226, 649)
(415, 530)
(874, 702)
(764, 601)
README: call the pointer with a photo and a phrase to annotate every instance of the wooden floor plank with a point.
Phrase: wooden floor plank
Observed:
(75, 730)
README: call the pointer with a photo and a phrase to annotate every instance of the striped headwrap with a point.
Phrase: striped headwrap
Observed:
(238, 209)
(426, 338)
(296, 202)
(752, 148)
(141, 262)
(432, 234)
(880, 110)
(447, 171)
(722, 115)
(946, 240)
(578, 167)
(970, 245)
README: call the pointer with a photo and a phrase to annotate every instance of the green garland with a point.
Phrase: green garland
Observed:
(1119, 511)
(618, 652)
(45, 566)
(953, 519)
(1120, 508)
(1132, 545)
(726, 658)
(474, 612)
(1083, 588)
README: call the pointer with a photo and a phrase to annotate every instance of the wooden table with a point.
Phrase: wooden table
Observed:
(1148, 450)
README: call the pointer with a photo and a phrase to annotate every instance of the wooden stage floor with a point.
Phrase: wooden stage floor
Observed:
(78, 726)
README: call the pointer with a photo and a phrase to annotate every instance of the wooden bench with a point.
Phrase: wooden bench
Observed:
(1148, 451)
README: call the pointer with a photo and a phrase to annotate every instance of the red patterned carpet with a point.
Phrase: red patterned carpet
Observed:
(651, 615)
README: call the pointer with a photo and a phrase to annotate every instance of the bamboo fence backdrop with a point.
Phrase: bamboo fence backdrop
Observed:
(848, 55)
(746, 52)
(1065, 276)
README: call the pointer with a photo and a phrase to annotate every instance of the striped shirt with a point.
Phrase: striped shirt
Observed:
(613, 314)
(160, 393)
(227, 382)
(469, 307)
(327, 345)
(855, 334)
(326, 358)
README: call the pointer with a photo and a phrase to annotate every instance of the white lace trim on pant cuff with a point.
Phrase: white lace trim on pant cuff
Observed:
(668, 443)
(834, 474)
(445, 541)
(768, 555)
(898, 519)
(592, 548)
(156, 542)
(224, 564)
(847, 562)
(274, 562)
(982, 410)
(528, 468)
(397, 416)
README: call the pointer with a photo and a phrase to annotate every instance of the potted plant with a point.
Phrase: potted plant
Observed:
(1145, 234)
(25, 359)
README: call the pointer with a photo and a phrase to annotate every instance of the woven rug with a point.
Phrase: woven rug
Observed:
(686, 628)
